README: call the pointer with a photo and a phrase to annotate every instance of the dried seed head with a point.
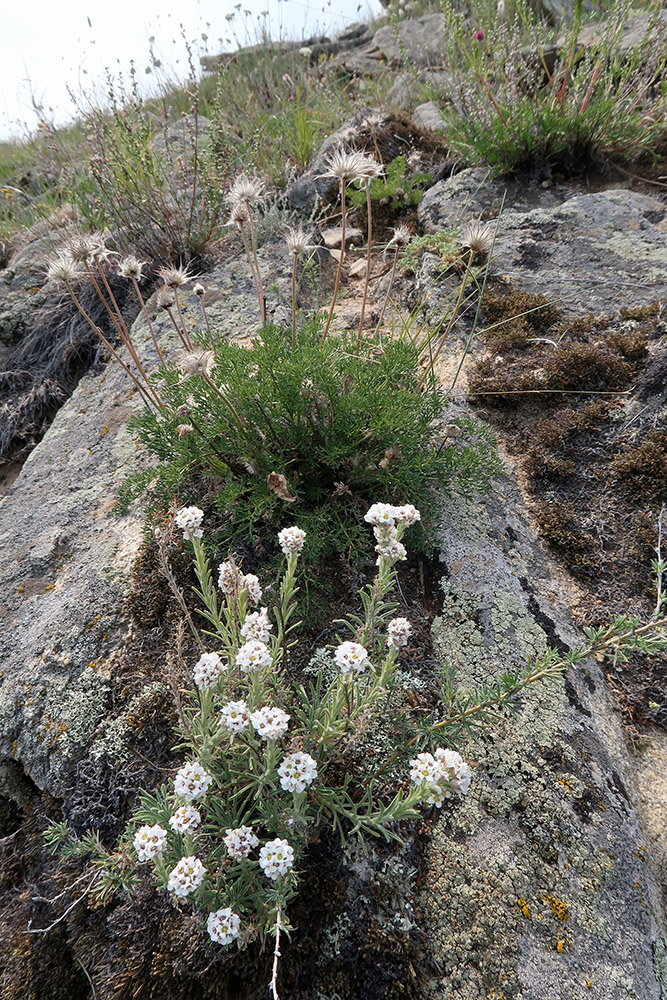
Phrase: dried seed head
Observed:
(401, 237)
(239, 213)
(297, 241)
(200, 361)
(352, 166)
(130, 267)
(199, 289)
(174, 277)
(371, 167)
(247, 190)
(64, 269)
(478, 236)
(184, 429)
(165, 298)
(413, 160)
(81, 248)
(372, 123)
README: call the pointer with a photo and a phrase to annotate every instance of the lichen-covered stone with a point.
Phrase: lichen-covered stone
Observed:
(538, 882)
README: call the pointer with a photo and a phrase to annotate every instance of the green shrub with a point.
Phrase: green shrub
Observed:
(397, 186)
(508, 108)
(341, 429)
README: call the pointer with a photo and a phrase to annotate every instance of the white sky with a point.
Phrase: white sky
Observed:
(46, 45)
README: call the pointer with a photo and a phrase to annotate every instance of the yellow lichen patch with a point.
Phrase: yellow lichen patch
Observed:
(558, 908)
(588, 982)
(524, 907)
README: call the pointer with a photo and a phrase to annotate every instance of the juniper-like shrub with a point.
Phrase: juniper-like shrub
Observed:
(309, 432)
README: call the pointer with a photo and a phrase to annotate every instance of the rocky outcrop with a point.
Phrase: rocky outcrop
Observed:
(538, 883)
(587, 252)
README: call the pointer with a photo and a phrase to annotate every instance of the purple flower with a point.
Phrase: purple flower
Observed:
(479, 36)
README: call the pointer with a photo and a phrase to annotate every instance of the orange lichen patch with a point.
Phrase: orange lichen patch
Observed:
(559, 909)
(524, 907)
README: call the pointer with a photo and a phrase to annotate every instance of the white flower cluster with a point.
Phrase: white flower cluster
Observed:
(257, 626)
(276, 858)
(240, 842)
(187, 876)
(253, 655)
(234, 716)
(185, 820)
(189, 520)
(149, 841)
(270, 723)
(399, 631)
(208, 670)
(384, 517)
(250, 583)
(291, 540)
(223, 926)
(351, 657)
(444, 773)
(191, 782)
(297, 771)
(229, 577)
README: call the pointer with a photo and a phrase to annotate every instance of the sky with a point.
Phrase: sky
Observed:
(47, 47)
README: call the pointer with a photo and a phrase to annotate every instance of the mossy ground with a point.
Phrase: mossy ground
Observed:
(580, 409)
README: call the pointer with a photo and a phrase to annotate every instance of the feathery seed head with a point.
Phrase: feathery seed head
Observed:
(239, 213)
(401, 237)
(297, 241)
(196, 362)
(247, 190)
(174, 277)
(478, 236)
(199, 289)
(130, 267)
(64, 269)
(165, 298)
(81, 247)
(352, 166)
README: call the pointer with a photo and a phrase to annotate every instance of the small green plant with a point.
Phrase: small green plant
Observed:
(268, 760)
(398, 188)
(310, 428)
(513, 107)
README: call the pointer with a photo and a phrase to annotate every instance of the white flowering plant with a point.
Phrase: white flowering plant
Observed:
(266, 759)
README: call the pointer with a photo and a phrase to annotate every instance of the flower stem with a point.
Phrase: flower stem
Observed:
(368, 265)
(340, 260)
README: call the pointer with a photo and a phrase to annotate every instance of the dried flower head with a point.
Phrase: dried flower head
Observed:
(131, 267)
(352, 166)
(174, 277)
(165, 298)
(413, 160)
(246, 190)
(64, 269)
(85, 247)
(478, 236)
(372, 123)
(400, 238)
(239, 213)
(199, 289)
(297, 241)
(198, 361)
